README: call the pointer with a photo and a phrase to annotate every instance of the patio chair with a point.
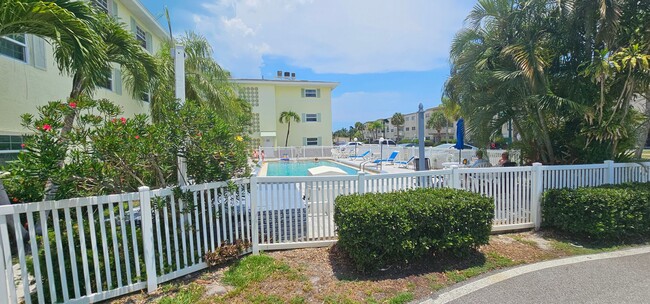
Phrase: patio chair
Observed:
(362, 156)
(404, 164)
(390, 159)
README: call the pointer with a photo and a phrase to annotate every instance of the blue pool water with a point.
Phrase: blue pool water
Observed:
(299, 168)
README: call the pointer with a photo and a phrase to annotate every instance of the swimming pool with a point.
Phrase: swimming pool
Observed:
(299, 168)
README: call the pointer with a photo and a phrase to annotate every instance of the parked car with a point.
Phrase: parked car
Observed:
(389, 142)
(407, 145)
(350, 145)
(453, 146)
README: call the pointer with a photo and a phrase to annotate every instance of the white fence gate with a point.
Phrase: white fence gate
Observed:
(96, 248)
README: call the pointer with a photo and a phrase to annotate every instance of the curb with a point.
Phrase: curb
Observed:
(468, 288)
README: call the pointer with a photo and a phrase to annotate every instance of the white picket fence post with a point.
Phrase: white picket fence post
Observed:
(7, 286)
(537, 189)
(255, 216)
(609, 172)
(455, 178)
(361, 182)
(147, 238)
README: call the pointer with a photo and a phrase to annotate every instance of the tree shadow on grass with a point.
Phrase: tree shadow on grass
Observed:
(345, 269)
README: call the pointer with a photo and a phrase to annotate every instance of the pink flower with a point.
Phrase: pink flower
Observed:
(123, 120)
(137, 137)
(113, 120)
(73, 104)
(22, 146)
(47, 127)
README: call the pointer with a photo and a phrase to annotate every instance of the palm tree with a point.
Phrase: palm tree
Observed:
(375, 127)
(287, 117)
(437, 121)
(67, 24)
(205, 80)
(359, 127)
(119, 47)
(398, 121)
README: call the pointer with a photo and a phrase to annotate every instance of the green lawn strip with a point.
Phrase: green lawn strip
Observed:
(189, 294)
(493, 261)
(403, 297)
(255, 268)
(570, 248)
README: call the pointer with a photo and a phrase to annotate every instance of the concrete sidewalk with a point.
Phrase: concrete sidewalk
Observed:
(613, 277)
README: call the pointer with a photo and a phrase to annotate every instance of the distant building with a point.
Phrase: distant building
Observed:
(311, 100)
(30, 77)
(409, 130)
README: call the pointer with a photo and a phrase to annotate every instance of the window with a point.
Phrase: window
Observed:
(141, 36)
(146, 97)
(311, 93)
(14, 46)
(312, 141)
(407, 128)
(10, 142)
(10, 145)
(101, 5)
(311, 117)
(107, 83)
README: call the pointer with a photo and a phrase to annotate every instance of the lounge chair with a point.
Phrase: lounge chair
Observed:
(362, 156)
(390, 158)
(404, 164)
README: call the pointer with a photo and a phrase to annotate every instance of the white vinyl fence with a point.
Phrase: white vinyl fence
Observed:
(436, 156)
(96, 248)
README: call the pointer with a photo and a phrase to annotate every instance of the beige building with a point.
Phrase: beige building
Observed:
(30, 78)
(311, 100)
(410, 128)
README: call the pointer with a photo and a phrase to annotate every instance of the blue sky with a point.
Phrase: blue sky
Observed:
(388, 56)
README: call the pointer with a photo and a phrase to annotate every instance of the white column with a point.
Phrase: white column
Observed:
(537, 190)
(179, 74)
(147, 239)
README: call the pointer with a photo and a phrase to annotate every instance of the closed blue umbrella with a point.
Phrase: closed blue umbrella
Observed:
(460, 137)
(460, 134)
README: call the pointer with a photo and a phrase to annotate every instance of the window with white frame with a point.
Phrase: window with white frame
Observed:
(107, 83)
(101, 5)
(312, 141)
(141, 36)
(311, 93)
(311, 117)
(14, 46)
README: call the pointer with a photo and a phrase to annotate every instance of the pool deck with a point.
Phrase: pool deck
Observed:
(373, 168)
(369, 168)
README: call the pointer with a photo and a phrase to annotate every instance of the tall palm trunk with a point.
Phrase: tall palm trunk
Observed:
(545, 137)
(286, 141)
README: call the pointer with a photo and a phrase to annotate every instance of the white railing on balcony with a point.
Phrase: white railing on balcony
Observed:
(96, 248)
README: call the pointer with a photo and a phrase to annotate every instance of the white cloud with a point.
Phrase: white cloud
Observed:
(334, 36)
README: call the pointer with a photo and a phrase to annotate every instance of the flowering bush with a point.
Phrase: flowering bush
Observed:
(108, 153)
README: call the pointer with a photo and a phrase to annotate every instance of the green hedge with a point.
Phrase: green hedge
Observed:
(606, 213)
(380, 229)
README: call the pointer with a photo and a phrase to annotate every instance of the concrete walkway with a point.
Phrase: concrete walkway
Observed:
(614, 277)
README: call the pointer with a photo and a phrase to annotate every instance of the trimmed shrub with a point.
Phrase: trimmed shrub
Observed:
(380, 229)
(607, 213)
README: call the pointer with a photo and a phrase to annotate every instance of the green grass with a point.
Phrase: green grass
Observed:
(400, 298)
(572, 249)
(493, 261)
(255, 268)
(524, 241)
(189, 294)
